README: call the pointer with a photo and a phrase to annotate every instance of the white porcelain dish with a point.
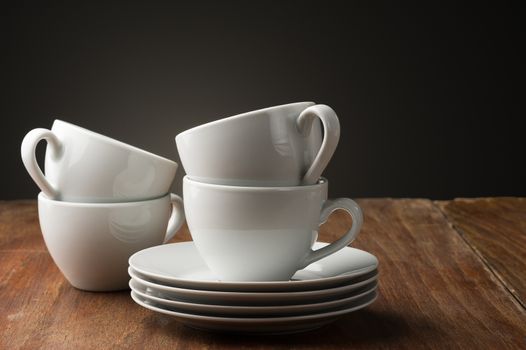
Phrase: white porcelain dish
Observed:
(91, 243)
(83, 166)
(254, 311)
(258, 325)
(275, 146)
(180, 265)
(249, 298)
(262, 233)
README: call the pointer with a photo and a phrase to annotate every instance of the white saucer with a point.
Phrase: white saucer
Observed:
(265, 325)
(180, 265)
(246, 311)
(249, 298)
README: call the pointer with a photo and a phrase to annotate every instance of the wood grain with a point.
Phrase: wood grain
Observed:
(435, 292)
(496, 230)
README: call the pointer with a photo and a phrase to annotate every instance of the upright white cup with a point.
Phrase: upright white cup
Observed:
(262, 233)
(91, 242)
(276, 146)
(83, 166)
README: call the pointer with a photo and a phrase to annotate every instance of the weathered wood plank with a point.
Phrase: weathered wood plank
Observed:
(19, 227)
(496, 230)
(434, 293)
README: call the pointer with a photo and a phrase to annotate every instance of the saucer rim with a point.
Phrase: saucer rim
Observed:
(260, 310)
(257, 320)
(253, 285)
(252, 298)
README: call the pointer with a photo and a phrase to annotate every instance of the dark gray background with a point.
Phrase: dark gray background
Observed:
(430, 98)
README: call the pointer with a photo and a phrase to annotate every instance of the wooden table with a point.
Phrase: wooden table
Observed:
(452, 275)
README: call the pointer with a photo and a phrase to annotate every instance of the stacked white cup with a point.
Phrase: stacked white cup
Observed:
(254, 195)
(101, 201)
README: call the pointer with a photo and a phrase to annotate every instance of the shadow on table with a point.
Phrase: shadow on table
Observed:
(367, 326)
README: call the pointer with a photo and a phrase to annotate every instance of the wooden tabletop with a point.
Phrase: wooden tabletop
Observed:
(452, 275)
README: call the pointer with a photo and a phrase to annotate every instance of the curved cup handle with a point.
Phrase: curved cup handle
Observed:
(331, 129)
(29, 145)
(176, 218)
(329, 206)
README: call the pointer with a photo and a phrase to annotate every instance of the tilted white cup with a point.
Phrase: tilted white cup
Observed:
(83, 166)
(92, 242)
(276, 146)
(262, 233)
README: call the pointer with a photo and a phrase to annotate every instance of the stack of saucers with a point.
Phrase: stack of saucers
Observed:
(174, 280)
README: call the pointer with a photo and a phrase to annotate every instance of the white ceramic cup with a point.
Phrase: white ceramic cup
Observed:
(276, 146)
(92, 242)
(83, 166)
(262, 233)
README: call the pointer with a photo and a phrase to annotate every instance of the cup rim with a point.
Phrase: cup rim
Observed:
(241, 115)
(322, 182)
(43, 198)
(113, 141)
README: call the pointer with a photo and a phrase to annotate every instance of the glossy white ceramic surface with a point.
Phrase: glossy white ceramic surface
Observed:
(92, 242)
(262, 233)
(248, 311)
(252, 298)
(180, 265)
(276, 146)
(261, 325)
(83, 166)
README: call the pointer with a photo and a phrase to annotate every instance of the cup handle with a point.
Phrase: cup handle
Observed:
(331, 129)
(329, 206)
(29, 145)
(176, 218)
